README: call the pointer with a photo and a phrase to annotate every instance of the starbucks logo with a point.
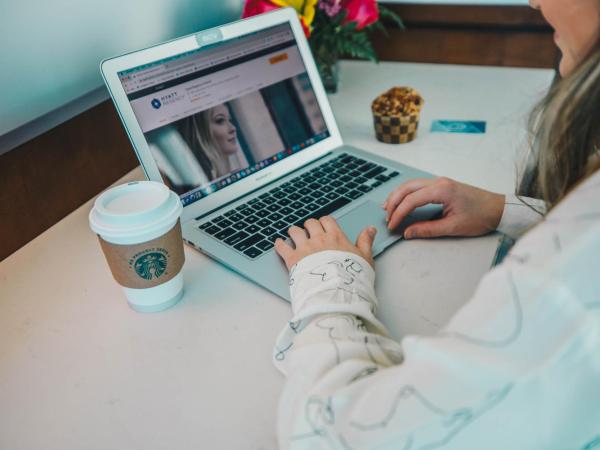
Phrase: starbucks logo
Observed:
(151, 265)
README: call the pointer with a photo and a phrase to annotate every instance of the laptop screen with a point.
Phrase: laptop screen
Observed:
(216, 115)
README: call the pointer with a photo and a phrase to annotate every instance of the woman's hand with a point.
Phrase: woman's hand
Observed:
(468, 211)
(323, 234)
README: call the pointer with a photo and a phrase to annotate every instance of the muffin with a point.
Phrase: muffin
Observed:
(396, 115)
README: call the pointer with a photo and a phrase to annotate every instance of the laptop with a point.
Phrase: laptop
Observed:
(236, 121)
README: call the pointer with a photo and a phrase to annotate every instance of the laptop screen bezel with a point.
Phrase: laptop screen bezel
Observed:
(111, 67)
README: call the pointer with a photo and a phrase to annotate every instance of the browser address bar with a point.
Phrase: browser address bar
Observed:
(276, 39)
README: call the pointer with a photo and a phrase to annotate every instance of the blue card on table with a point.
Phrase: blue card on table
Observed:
(458, 126)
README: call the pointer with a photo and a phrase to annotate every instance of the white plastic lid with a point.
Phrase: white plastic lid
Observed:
(135, 212)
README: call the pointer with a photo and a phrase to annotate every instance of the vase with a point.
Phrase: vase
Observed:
(329, 72)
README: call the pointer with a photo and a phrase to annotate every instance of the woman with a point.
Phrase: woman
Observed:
(212, 136)
(519, 365)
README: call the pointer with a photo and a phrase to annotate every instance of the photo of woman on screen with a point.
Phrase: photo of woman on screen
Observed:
(213, 139)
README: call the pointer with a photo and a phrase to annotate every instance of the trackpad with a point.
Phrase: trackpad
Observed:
(371, 213)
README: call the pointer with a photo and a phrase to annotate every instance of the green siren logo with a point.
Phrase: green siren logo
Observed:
(150, 265)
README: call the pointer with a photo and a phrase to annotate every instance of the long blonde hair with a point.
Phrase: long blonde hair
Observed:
(219, 162)
(565, 134)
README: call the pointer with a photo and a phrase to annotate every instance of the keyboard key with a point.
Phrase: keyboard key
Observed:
(342, 190)
(280, 194)
(331, 207)
(284, 202)
(305, 191)
(354, 194)
(265, 195)
(230, 213)
(300, 184)
(237, 237)
(242, 207)
(253, 201)
(381, 178)
(252, 252)
(312, 207)
(263, 223)
(376, 184)
(263, 213)
(251, 219)
(292, 218)
(364, 188)
(322, 201)
(351, 185)
(267, 231)
(317, 194)
(279, 225)
(275, 217)
(394, 174)
(306, 200)
(225, 223)
(205, 225)
(345, 178)
(265, 245)
(236, 217)
(224, 234)
(274, 207)
(267, 201)
(294, 196)
(249, 242)
(212, 229)
(273, 237)
(218, 219)
(332, 196)
(309, 179)
(355, 173)
(302, 212)
(285, 211)
(361, 180)
(376, 171)
(252, 229)
(240, 225)
(289, 190)
(327, 188)
(296, 205)
(336, 183)
(247, 212)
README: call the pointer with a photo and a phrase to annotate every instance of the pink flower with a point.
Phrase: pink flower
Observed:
(254, 7)
(331, 7)
(304, 8)
(363, 12)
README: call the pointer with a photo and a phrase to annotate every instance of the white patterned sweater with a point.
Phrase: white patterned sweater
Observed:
(518, 367)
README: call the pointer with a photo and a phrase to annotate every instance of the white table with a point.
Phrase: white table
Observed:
(80, 370)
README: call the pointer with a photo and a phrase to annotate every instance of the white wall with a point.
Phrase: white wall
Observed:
(50, 49)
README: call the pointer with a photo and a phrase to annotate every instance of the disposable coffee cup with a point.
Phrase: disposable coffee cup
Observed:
(140, 234)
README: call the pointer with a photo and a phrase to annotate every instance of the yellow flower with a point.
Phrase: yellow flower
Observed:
(304, 8)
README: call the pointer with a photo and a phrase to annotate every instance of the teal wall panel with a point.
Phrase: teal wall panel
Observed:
(50, 49)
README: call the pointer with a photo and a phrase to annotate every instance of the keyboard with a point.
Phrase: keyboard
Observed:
(252, 228)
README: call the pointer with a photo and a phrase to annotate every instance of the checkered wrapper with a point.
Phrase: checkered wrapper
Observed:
(396, 115)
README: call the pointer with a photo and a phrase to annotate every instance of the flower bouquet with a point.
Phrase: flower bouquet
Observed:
(334, 28)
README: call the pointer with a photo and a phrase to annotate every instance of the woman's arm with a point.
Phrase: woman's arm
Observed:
(467, 210)
(517, 367)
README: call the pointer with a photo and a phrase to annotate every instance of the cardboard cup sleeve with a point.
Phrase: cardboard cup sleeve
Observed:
(148, 264)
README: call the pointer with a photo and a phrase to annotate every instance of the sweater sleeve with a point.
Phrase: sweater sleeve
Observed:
(494, 377)
(520, 214)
